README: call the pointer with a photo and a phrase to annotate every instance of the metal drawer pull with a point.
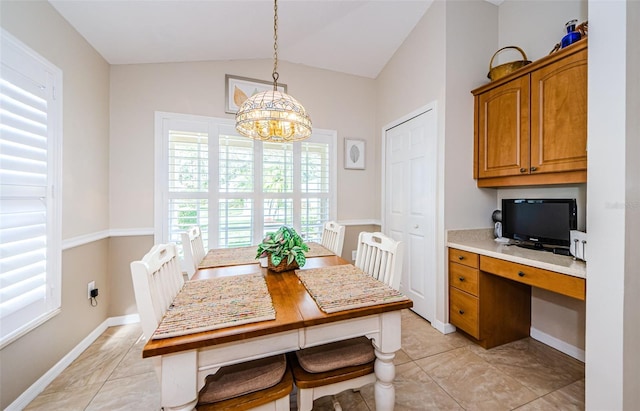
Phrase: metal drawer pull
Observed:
(534, 168)
(461, 278)
(461, 312)
(520, 273)
(460, 257)
(523, 170)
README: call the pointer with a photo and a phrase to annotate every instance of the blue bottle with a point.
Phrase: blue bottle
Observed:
(572, 35)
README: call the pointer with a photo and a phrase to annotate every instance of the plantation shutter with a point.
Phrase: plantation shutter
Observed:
(277, 185)
(315, 188)
(235, 188)
(188, 179)
(29, 234)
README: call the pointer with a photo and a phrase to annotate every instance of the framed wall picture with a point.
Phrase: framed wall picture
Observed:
(354, 154)
(238, 89)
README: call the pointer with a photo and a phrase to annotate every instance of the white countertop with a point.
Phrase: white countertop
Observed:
(481, 242)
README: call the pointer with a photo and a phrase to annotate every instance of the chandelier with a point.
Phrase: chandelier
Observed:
(273, 115)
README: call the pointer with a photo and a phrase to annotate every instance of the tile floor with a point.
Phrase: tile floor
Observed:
(433, 372)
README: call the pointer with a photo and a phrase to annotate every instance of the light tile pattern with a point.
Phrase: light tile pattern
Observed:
(433, 372)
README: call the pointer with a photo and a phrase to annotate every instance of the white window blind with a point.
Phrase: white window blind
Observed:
(255, 187)
(30, 120)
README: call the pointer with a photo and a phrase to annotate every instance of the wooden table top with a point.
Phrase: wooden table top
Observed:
(294, 307)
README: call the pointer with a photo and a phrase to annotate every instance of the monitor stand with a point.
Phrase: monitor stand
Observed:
(533, 246)
(540, 247)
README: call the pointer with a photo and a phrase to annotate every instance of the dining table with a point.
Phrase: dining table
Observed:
(298, 322)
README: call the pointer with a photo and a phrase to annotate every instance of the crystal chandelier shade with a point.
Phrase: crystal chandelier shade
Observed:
(273, 115)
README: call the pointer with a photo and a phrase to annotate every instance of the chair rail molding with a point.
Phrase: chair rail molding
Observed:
(101, 235)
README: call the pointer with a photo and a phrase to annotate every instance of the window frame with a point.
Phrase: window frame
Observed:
(215, 126)
(22, 59)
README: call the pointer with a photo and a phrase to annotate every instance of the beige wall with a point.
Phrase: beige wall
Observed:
(335, 101)
(122, 251)
(536, 27)
(444, 58)
(84, 192)
(438, 62)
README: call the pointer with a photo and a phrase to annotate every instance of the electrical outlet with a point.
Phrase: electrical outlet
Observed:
(90, 286)
(353, 255)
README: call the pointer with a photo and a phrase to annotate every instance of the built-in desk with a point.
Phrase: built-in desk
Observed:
(490, 285)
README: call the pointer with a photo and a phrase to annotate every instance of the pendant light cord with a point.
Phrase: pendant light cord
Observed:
(275, 74)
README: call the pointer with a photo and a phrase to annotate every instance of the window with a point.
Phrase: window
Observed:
(236, 189)
(30, 140)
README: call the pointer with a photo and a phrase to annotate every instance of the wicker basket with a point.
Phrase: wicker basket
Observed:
(283, 266)
(506, 68)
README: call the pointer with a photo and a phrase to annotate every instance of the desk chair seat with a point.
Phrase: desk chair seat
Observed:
(263, 384)
(332, 368)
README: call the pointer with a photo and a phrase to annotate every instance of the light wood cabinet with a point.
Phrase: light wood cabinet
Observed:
(490, 298)
(530, 127)
(489, 309)
(549, 280)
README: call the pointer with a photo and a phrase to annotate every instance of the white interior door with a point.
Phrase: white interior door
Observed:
(410, 205)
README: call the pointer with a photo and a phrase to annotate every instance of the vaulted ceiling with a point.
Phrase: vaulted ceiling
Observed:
(351, 36)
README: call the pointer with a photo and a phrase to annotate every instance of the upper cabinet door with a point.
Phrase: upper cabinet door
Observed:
(559, 115)
(503, 130)
(530, 127)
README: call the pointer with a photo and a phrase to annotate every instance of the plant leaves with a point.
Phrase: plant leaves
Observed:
(275, 259)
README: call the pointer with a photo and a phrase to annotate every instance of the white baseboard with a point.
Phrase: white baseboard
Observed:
(37, 387)
(559, 345)
(123, 320)
(444, 328)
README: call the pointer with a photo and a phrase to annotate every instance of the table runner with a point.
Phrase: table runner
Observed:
(345, 287)
(221, 257)
(204, 305)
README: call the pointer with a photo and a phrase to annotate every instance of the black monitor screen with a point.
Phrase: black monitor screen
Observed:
(539, 221)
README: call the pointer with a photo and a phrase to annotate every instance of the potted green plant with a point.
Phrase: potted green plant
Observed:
(284, 248)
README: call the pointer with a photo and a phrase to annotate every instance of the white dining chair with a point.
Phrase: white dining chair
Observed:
(333, 237)
(193, 249)
(381, 257)
(263, 384)
(335, 367)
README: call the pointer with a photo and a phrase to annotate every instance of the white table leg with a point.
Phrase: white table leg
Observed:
(384, 391)
(178, 383)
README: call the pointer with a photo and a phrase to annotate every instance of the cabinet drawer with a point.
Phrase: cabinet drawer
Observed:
(463, 257)
(463, 312)
(464, 278)
(537, 277)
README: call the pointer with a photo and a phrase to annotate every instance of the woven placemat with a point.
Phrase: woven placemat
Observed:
(205, 305)
(221, 257)
(317, 250)
(345, 287)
